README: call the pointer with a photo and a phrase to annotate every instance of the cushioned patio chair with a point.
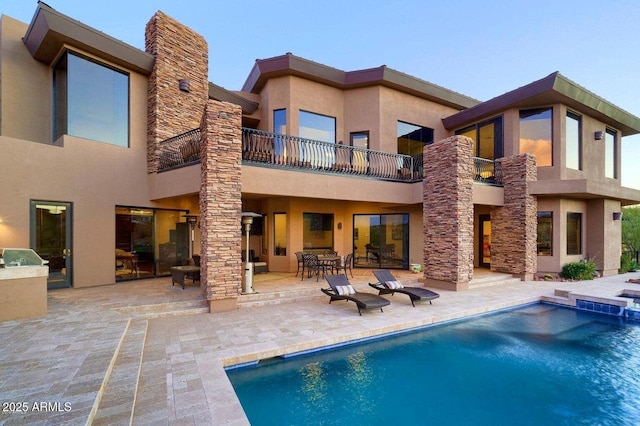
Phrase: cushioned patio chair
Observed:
(341, 289)
(387, 284)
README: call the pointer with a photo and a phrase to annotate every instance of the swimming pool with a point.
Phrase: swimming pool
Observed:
(540, 364)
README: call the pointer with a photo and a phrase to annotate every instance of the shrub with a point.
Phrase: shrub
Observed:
(627, 264)
(582, 271)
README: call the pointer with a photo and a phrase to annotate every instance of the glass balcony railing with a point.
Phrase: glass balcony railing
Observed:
(292, 152)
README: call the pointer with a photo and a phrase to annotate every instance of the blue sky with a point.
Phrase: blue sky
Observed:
(480, 49)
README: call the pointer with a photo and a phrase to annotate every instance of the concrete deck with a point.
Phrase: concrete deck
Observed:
(119, 355)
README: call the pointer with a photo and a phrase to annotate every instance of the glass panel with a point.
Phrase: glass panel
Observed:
(170, 230)
(381, 241)
(470, 132)
(51, 239)
(91, 100)
(280, 233)
(574, 233)
(536, 135)
(412, 138)
(545, 233)
(610, 154)
(573, 141)
(317, 127)
(280, 121)
(317, 231)
(359, 159)
(134, 243)
(486, 242)
(486, 141)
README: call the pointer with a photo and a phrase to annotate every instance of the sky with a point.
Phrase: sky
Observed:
(480, 49)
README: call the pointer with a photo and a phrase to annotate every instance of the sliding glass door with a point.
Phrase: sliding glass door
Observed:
(51, 225)
(381, 240)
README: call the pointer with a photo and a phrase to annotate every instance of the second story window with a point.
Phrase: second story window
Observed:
(412, 138)
(610, 169)
(487, 138)
(574, 141)
(536, 135)
(91, 100)
(317, 127)
(280, 121)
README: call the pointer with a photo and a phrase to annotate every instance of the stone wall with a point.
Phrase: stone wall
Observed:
(448, 213)
(221, 205)
(514, 226)
(181, 54)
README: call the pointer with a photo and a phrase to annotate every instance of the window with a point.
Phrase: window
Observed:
(359, 159)
(91, 100)
(610, 169)
(487, 138)
(381, 240)
(280, 121)
(574, 233)
(535, 135)
(360, 140)
(412, 138)
(317, 127)
(574, 141)
(545, 233)
(280, 233)
(317, 231)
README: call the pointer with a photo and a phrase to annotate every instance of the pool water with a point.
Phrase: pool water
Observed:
(540, 364)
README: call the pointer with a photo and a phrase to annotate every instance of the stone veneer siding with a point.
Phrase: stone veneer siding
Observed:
(448, 213)
(514, 226)
(221, 205)
(180, 53)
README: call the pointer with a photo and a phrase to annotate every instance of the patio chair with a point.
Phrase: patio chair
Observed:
(341, 289)
(387, 284)
(348, 263)
(313, 266)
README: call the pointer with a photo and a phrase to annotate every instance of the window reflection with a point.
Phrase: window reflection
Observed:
(412, 138)
(91, 100)
(573, 141)
(545, 233)
(610, 154)
(536, 135)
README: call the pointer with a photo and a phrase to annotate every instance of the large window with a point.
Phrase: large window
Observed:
(487, 138)
(91, 100)
(412, 138)
(317, 231)
(574, 233)
(545, 233)
(574, 141)
(610, 170)
(317, 127)
(536, 135)
(381, 240)
(280, 121)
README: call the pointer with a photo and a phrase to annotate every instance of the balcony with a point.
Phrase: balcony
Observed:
(268, 149)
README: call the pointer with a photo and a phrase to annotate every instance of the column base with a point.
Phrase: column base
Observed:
(223, 305)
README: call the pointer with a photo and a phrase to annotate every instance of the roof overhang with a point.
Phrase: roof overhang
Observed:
(553, 89)
(221, 94)
(291, 65)
(50, 31)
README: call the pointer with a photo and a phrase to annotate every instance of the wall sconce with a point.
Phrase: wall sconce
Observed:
(339, 225)
(598, 135)
(617, 215)
(183, 85)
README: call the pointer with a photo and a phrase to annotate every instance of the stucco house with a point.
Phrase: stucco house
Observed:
(108, 152)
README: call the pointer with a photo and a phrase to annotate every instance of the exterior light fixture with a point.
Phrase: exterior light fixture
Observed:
(617, 215)
(184, 85)
(598, 135)
(191, 219)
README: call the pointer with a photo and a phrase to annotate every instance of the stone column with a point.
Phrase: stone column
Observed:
(448, 213)
(514, 227)
(221, 205)
(181, 54)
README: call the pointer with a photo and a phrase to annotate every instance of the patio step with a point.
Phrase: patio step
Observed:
(116, 398)
(187, 307)
(493, 279)
(278, 297)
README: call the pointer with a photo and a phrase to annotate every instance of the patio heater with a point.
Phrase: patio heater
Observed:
(191, 219)
(247, 284)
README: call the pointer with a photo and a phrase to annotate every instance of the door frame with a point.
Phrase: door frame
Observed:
(67, 250)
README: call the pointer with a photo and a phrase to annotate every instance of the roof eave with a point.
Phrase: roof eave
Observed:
(49, 31)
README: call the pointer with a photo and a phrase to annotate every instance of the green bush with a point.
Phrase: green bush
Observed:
(627, 264)
(581, 271)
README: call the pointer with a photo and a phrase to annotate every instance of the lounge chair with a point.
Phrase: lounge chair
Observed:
(341, 289)
(387, 284)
